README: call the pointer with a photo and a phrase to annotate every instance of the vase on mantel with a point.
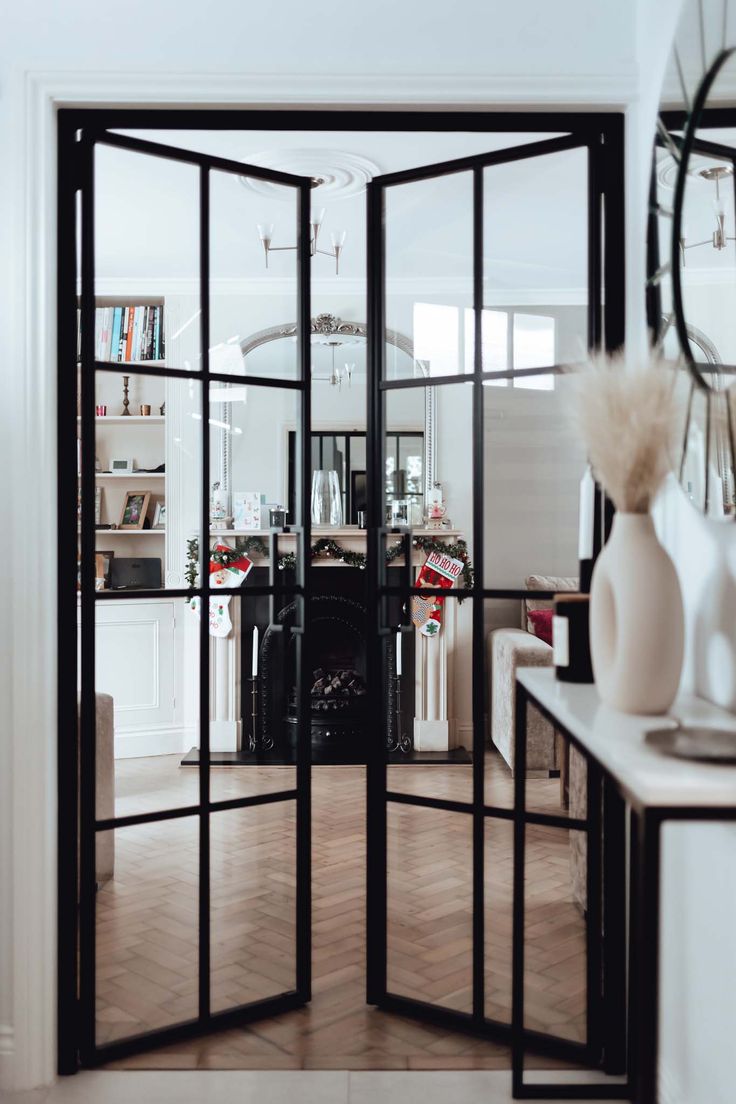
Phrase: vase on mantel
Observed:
(636, 619)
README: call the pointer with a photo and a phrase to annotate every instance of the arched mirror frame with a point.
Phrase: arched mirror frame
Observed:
(677, 133)
(330, 325)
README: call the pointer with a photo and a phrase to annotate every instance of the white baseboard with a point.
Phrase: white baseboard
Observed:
(463, 736)
(164, 740)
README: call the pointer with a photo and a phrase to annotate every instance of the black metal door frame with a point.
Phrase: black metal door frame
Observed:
(604, 129)
(77, 1024)
(603, 139)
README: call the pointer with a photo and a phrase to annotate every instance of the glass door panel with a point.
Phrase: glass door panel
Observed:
(188, 866)
(491, 264)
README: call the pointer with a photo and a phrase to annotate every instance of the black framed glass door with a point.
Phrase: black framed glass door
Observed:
(194, 890)
(449, 257)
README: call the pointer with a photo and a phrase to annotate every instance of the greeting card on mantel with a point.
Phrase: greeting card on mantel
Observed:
(247, 509)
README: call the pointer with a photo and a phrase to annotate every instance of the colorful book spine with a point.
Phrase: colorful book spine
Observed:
(129, 338)
(117, 320)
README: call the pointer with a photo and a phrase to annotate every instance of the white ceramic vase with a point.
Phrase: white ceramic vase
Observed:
(636, 619)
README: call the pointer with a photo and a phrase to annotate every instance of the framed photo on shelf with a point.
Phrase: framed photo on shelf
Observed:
(135, 508)
(159, 516)
(103, 564)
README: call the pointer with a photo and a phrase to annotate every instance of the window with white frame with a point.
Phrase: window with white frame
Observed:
(512, 341)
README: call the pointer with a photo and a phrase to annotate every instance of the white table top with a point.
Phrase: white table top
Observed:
(616, 741)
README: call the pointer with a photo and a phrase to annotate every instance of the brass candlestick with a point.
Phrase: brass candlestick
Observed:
(126, 401)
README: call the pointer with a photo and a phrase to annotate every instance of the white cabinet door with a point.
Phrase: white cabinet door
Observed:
(139, 664)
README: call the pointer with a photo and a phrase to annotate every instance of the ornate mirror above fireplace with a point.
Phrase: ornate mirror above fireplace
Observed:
(339, 376)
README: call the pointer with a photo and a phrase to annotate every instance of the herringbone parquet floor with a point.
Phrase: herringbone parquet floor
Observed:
(147, 920)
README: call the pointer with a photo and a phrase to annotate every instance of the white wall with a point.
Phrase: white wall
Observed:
(413, 52)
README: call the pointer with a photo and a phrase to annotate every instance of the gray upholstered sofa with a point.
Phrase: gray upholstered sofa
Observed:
(509, 649)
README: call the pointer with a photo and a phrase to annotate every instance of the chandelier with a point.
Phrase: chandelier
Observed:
(337, 374)
(337, 237)
(719, 238)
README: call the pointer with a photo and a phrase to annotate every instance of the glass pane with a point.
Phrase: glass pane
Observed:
(508, 647)
(435, 681)
(147, 457)
(429, 948)
(146, 928)
(253, 725)
(253, 276)
(146, 221)
(533, 463)
(147, 701)
(499, 895)
(555, 966)
(250, 460)
(542, 271)
(252, 904)
(429, 273)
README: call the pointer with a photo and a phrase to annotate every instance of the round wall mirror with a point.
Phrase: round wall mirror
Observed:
(691, 287)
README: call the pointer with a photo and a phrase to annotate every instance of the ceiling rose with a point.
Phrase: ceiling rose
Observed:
(667, 168)
(341, 174)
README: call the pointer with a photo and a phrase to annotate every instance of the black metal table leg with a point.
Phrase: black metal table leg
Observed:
(517, 995)
(645, 979)
(614, 928)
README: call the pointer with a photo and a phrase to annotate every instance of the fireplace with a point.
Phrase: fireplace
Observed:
(338, 691)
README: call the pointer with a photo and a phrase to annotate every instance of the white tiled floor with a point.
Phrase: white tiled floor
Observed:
(286, 1087)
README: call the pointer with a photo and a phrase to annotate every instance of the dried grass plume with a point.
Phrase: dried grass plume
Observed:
(627, 416)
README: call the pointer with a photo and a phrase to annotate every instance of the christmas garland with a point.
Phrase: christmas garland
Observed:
(326, 549)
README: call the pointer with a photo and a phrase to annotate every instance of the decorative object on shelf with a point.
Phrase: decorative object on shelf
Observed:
(436, 509)
(326, 498)
(98, 505)
(400, 508)
(570, 637)
(247, 509)
(145, 409)
(126, 400)
(103, 560)
(122, 465)
(397, 739)
(277, 517)
(219, 517)
(101, 410)
(162, 409)
(159, 516)
(700, 743)
(626, 414)
(135, 508)
(438, 570)
(337, 237)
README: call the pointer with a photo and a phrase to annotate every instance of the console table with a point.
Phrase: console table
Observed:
(624, 775)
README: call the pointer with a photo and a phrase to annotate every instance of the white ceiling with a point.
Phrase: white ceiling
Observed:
(536, 211)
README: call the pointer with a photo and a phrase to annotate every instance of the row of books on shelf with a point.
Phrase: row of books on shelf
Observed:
(126, 333)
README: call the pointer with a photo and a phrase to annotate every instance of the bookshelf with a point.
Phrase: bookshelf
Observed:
(134, 436)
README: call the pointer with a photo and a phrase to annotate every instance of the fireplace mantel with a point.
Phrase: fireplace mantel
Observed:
(349, 537)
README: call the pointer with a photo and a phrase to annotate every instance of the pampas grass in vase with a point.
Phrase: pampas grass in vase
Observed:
(627, 417)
